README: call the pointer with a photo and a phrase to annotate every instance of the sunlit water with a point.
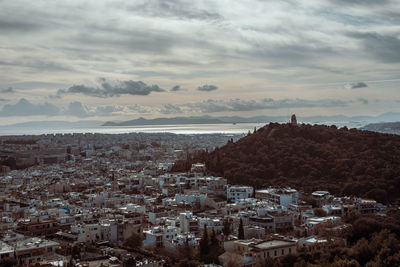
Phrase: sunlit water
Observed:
(177, 129)
(225, 128)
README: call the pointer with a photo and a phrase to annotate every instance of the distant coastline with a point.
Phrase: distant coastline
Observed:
(189, 125)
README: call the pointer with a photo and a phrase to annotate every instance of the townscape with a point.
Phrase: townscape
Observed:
(112, 200)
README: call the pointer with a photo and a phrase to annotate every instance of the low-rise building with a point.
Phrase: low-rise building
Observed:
(157, 236)
(366, 206)
(282, 197)
(234, 193)
(249, 252)
(37, 226)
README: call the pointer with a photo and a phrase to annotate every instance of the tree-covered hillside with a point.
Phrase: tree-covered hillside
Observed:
(347, 162)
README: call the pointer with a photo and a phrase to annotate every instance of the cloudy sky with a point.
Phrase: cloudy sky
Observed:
(126, 59)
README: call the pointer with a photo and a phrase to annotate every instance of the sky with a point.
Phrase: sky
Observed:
(120, 60)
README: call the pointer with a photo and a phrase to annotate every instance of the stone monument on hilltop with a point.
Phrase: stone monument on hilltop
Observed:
(293, 120)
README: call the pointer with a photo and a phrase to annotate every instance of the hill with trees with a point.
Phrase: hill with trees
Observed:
(342, 161)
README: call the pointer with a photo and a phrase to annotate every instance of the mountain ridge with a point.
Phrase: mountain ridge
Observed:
(341, 120)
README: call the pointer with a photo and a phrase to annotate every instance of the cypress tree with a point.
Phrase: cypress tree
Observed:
(227, 227)
(204, 242)
(241, 230)
(213, 239)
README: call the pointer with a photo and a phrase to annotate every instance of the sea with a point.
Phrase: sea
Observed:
(225, 128)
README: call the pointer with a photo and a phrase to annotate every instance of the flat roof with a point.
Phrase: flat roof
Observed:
(274, 244)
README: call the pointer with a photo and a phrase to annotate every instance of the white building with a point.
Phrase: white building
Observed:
(239, 192)
(109, 230)
(86, 232)
(282, 197)
(314, 221)
(195, 200)
(130, 207)
(158, 236)
(212, 224)
(180, 241)
(28, 251)
(188, 223)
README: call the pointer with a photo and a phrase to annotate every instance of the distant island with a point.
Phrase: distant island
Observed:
(339, 120)
(384, 127)
(382, 123)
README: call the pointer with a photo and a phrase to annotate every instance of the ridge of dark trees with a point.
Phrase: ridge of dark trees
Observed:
(309, 157)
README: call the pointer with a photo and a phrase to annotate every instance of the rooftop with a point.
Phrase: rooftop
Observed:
(273, 244)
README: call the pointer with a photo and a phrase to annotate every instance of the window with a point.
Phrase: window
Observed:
(283, 252)
(290, 250)
(275, 252)
(268, 254)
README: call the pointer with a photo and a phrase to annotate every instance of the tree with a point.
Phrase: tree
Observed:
(129, 262)
(186, 250)
(227, 227)
(204, 248)
(234, 261)
(319, 212)
(241, 230)
(134, 241)
(213, 239)
(76, 252)
(8, 262)
(189, 263)
(269, 262)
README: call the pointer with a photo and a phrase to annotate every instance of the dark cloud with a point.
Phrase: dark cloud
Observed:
(358, 85)
(9, 90)
(175, 9)
(360, 2)
(25, 108)
(176, 88)
(13, 25)
(363, 101)
(207, 88)
(385, 48)
(106, 89)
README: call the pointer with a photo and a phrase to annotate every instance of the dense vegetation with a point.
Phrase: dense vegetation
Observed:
(372, 240)
(342, 161)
